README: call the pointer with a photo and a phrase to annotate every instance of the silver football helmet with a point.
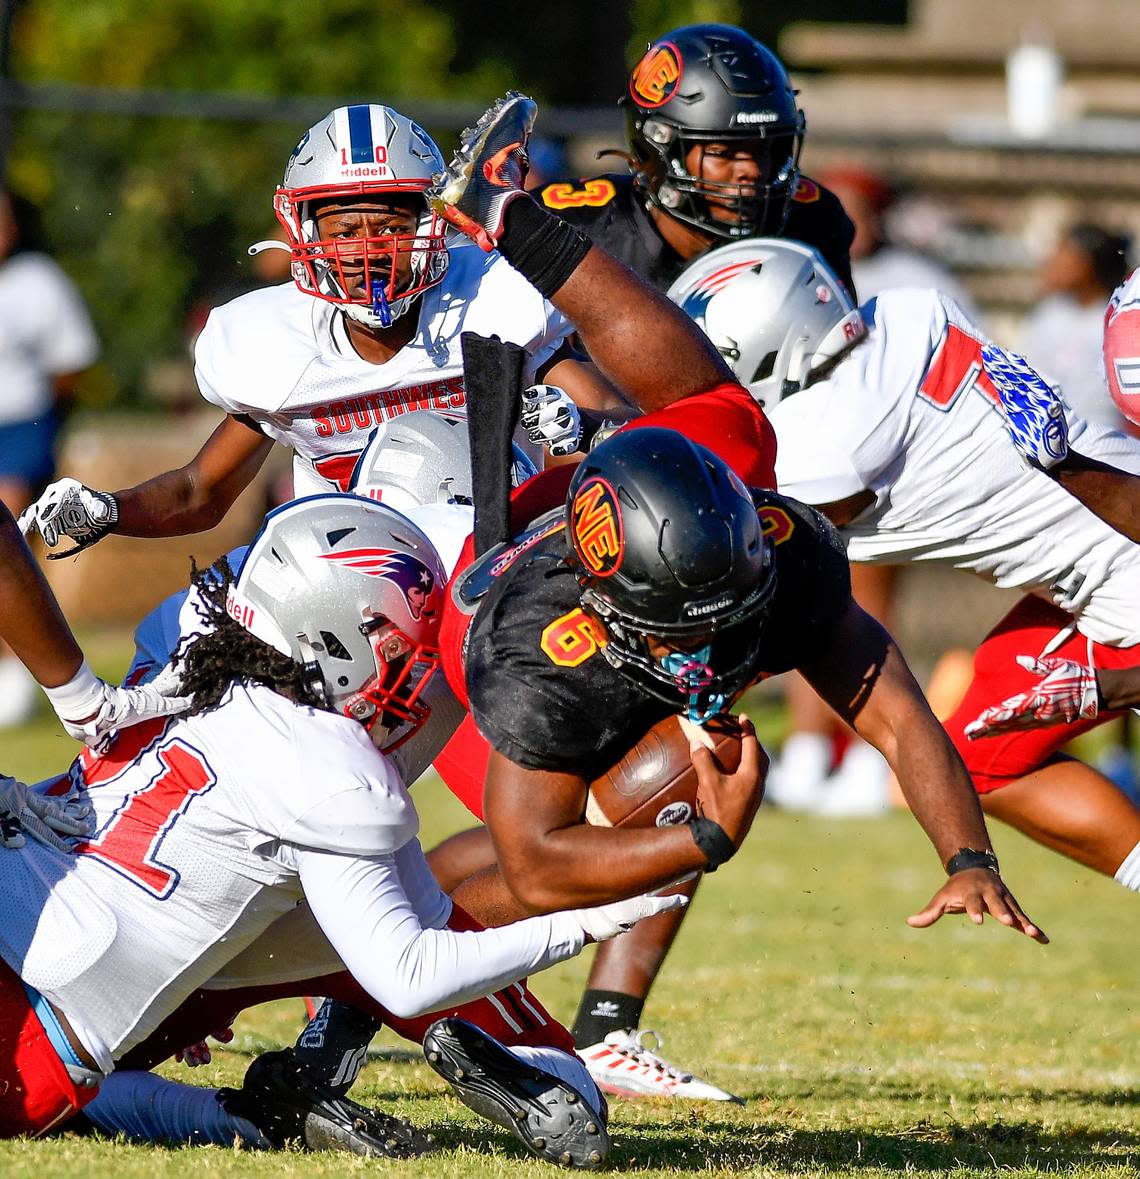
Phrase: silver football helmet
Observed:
(774, 310)
(353, 592)
(424, 458)
(354, 153)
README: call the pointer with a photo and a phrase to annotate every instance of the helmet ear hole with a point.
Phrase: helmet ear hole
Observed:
(765, 368)
(334, 646)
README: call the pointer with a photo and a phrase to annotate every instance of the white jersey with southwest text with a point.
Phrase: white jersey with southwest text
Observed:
(192, 860)
(283, 358)
(911, 415)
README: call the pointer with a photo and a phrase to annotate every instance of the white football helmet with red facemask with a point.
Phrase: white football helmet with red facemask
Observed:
(352, 591)
(358, 154)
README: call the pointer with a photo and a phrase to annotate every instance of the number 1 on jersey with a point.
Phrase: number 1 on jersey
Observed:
(130, 842)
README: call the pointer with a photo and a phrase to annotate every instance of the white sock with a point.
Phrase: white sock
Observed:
(565, 1067)
(1128, 873)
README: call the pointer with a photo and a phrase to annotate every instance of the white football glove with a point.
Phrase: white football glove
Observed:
(68, 508)
(551, 419)
(606, 921)
(109, 708)
(49, 820)
(1034, 411)
(1066, 692)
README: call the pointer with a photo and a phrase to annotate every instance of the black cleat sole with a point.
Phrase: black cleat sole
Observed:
(548, 1116)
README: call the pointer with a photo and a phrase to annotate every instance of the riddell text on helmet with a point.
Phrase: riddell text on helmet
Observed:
(365, 170)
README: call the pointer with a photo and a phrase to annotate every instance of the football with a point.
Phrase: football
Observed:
(654, 784)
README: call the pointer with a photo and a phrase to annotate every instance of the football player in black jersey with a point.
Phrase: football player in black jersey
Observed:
(714, 136)
(714, 145)
(652, 591)
(579, 641)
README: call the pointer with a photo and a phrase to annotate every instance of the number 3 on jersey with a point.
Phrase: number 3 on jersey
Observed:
(130, 842)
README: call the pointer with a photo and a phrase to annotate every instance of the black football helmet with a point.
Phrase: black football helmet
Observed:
(713, 84)
(668, 546)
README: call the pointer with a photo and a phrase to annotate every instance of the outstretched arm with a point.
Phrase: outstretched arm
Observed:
(1106, 491)
(640, 341)
(31, 622)
(33, 625)
(190, 499)
(197, 496)
(363, 908)
(863, 676)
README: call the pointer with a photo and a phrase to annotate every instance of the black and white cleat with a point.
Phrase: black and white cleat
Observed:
(282, 1100)
(548, 1116)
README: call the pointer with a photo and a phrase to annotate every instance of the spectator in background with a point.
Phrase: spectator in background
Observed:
(1063, 333)
(878, 262)
(46, 340)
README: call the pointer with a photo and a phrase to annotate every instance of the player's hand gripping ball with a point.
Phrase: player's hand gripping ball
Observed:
(655, 784)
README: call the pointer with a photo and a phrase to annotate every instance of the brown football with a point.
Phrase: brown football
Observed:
(654, 784)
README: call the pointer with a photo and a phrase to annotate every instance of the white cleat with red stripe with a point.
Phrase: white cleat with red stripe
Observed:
(625, 1065)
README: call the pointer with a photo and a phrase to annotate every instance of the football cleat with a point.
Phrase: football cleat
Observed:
(487, 172)
(282, 1100)
(548, 1116)
(1034, 411)
(623, 1064)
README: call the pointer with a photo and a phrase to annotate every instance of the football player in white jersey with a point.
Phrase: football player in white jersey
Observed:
(272, 790)
(367, 333)
(889, 422)
(1069, 690)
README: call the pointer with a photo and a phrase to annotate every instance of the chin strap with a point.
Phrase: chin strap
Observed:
(311, 669)
(692, 674)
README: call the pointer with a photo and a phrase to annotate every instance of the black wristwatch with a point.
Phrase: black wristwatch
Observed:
(966, 857)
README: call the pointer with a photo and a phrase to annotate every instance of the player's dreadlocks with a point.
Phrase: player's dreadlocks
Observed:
(227, 653)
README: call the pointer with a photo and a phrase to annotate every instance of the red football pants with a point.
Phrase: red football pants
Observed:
(35, 1091)
(1027, 629)
(513, 1015)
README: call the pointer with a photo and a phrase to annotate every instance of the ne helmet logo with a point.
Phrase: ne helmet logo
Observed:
(597, 527)
(414, 579)
(656, 77)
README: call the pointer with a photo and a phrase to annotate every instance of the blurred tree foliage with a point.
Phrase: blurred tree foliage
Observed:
(149, 214)
(152, 214)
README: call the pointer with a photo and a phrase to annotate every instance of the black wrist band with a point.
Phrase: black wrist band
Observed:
(966, 857)
(543, 248)
(713, 841)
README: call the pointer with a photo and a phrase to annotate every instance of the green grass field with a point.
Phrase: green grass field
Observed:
(861, 1047)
